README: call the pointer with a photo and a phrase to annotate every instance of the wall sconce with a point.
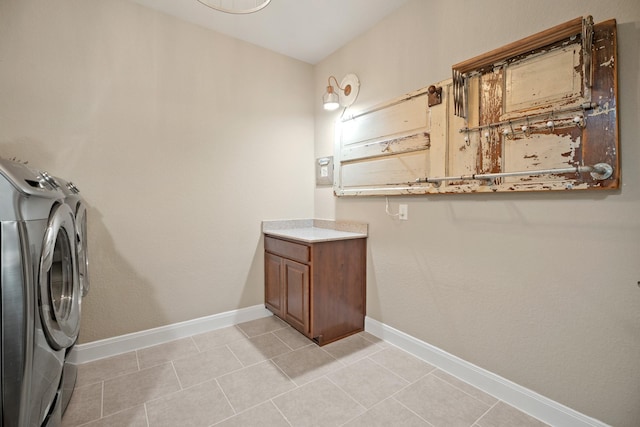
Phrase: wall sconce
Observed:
(347, 94)
(237, 7)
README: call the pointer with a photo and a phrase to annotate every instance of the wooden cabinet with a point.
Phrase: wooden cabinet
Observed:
(318, 288)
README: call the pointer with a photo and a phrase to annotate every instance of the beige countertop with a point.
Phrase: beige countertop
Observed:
(314, 230)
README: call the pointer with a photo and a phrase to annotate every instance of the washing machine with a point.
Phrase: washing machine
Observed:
(40, 295)
(73, 199)
(78, 206)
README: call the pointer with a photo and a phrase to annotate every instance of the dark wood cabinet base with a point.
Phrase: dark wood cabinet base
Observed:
(318, 288)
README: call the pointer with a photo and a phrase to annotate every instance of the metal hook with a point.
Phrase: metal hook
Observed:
(467, 140)
(526, 128)
(550, 124)
(509, 133)
(488, 135)
(579, 121)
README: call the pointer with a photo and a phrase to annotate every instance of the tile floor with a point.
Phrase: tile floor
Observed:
(264, 373)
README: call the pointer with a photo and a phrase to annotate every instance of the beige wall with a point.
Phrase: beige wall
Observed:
(183, 140)
(180, 139)
(538, 288)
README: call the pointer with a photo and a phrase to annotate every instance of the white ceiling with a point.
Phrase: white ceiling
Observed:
(308, 30)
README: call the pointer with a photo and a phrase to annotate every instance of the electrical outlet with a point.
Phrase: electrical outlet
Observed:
(403, 212)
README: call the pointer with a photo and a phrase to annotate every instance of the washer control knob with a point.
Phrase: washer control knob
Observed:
(50, 180)
(72, 187)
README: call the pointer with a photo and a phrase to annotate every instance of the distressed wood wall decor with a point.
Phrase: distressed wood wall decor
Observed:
(536, 115)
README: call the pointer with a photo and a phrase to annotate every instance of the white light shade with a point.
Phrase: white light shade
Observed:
(236, 6)
(330, 99)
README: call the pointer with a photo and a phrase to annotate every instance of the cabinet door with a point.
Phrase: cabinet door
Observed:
(273, 295)
(296, 280)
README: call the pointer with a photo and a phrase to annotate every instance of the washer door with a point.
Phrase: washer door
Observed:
(82, 247)
(59, 288)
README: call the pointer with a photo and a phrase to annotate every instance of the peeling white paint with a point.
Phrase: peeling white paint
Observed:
(608, 63)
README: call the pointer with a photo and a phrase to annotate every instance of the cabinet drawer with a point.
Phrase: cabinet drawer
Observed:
(294, 251)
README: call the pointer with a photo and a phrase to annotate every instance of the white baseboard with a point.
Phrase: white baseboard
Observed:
(530, 402)
(83, 353)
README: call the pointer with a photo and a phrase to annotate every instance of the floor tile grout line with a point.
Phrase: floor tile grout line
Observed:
(409, 409)
(362, 334)
(334, 358)
(282, 341)
(170, 359)
(175, 372)
(284, 373)
(146, 415)
(408, 383)
(242, 367)
(483, 414)
(465, 392)
(102, 400)
(308, 341)
(295, 386)
(281, 413)
(110, 377)
(347, 393)
(137, 360)
(388, 370)
(235, 412)
(195, 343)
(392, 395)
(173, 393)
(282, 325)
(234, 327)
(270, 358)
(157, 397)
(234, 355)
(111, 415)
(269, 332)
(377, 348)
(242, 331)
(446, 382)
(421, 377)
(342, 366)
(259, 361)
(369, 409)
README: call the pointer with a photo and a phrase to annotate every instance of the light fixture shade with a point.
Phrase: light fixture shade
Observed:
(346, 94)
(330, 99)
(237, 7)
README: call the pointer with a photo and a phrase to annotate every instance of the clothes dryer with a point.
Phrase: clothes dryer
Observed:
(73, 199)
(39, 295)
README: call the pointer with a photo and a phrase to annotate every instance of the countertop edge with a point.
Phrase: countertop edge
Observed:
(315, 230)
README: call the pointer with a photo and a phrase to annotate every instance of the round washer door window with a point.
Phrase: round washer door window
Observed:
(59, 289)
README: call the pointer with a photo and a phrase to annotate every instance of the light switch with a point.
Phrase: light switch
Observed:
(324, 171)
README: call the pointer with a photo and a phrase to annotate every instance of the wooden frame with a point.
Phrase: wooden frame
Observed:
(410, 146)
